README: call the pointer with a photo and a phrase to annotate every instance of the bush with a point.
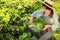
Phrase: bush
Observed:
(14, 15)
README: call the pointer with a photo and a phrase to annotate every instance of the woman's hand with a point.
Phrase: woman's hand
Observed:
(47, 26)
(30, 21)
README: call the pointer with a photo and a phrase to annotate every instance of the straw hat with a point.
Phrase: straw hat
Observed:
(48, 3)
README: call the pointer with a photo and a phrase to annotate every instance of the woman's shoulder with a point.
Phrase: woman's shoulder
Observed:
(38, 11)
(55, 15)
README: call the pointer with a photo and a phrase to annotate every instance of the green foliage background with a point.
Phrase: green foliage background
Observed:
(14, 15)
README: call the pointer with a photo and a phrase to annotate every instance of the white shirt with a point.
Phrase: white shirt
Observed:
(53, 20)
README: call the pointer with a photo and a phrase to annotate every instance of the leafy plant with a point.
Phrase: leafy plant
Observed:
(38, 24)
(14, 15)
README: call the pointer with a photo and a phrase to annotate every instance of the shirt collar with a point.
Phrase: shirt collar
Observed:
(45, 14)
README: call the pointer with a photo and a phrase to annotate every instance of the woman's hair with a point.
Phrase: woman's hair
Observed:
(51, 14)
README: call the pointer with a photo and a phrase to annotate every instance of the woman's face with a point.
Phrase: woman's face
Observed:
(47, 11)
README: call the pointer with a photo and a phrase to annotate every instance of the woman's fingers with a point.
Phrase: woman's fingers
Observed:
(46, 27)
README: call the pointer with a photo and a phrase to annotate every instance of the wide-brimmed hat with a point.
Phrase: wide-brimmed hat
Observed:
(48, 3)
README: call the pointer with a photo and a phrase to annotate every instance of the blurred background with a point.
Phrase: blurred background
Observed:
(14, 15)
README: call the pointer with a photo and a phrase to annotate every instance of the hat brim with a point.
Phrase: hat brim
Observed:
(46, 4)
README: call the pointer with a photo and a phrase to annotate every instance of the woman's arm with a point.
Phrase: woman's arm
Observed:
(53, 26)
(47, 26)
(31, 21)
(37, 13)
(56, 23)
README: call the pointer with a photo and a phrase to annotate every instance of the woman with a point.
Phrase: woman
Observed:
(51, 20)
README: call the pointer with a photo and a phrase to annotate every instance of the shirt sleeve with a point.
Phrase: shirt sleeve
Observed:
(37, 13)
(56, 23)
